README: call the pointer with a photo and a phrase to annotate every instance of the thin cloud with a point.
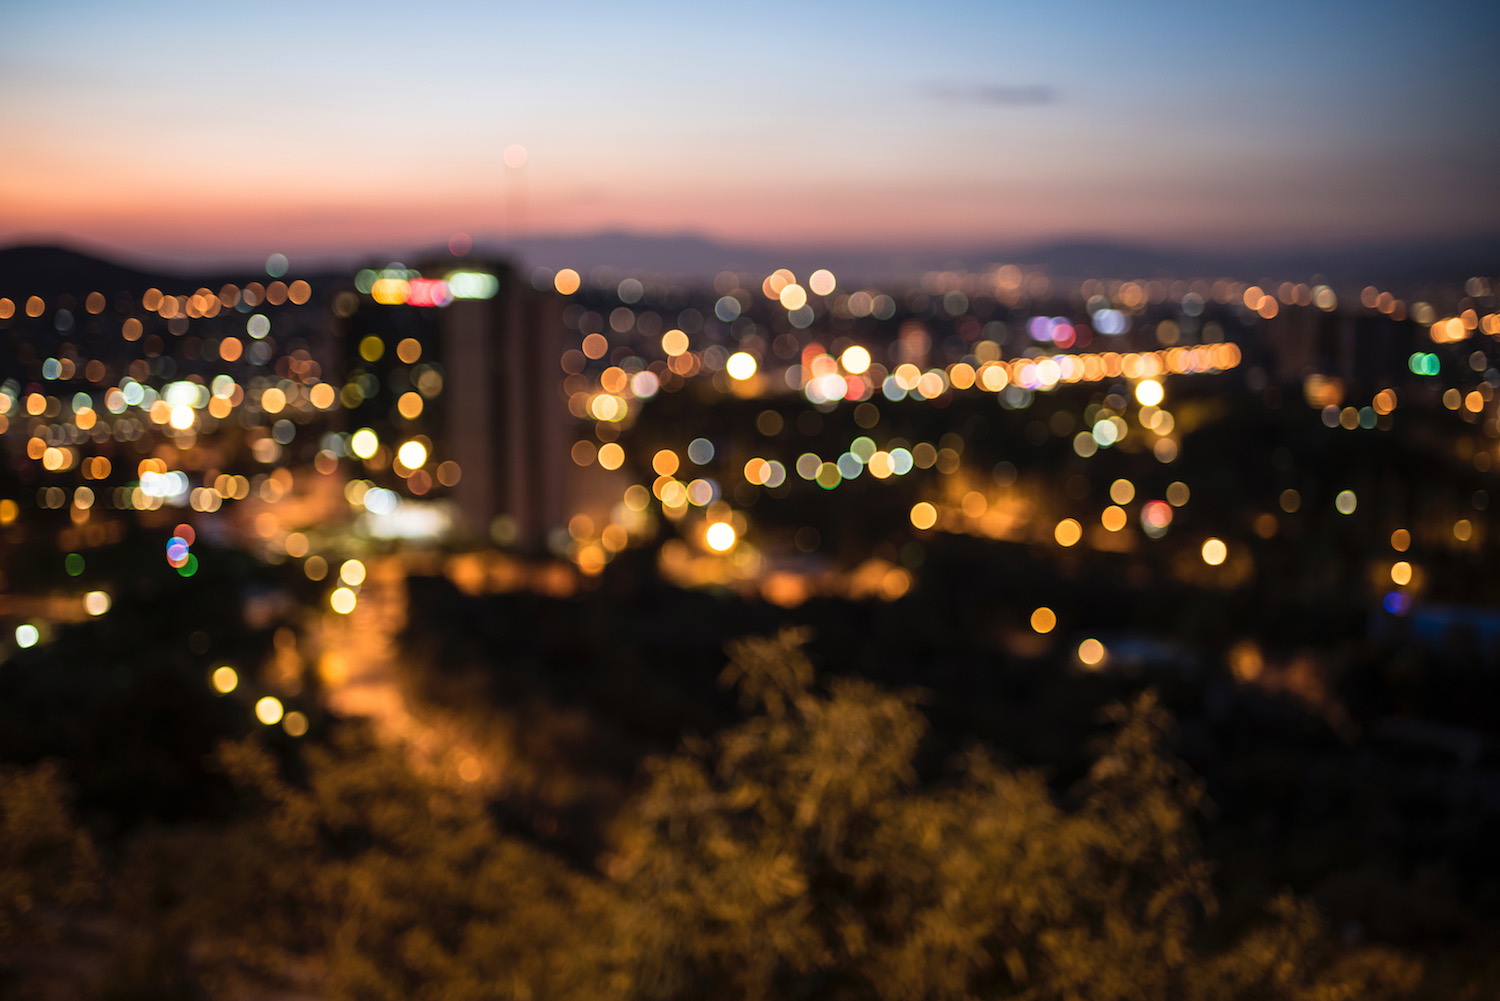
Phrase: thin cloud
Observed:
(994, 95)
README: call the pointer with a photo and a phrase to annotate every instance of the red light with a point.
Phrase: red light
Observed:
(1157, 514)
(428, 292)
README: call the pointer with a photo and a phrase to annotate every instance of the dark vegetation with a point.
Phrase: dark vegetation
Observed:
(796, 853)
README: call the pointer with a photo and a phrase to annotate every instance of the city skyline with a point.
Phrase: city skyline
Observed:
(321, 132)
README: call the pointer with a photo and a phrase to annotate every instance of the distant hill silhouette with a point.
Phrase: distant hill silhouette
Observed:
(52, 270)
(1389, 262)
(677, 254)
(1386, 262)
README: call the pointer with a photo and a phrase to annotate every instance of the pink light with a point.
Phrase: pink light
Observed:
(428, 292)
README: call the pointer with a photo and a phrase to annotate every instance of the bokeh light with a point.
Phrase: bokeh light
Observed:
(741, 365)
(364, 443)
(412, 454)
(720, 536)
(342, 600)
(855, 360)
(1068, 532)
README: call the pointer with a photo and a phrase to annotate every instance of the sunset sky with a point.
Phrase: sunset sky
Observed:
(231, 130)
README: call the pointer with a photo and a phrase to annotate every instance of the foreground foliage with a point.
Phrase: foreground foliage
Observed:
(795, 855)
(46, 862)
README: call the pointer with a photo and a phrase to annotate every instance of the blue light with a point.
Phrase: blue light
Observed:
(1110, 322)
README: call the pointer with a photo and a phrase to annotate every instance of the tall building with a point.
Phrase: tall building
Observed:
(504, 419)
(481, 348)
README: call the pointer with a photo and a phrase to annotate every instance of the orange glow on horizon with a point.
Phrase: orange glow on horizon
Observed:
(321, 212)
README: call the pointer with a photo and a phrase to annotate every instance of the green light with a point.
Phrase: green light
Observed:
(1423, 363)
(74, 564)
(190, 567)
(473, 285)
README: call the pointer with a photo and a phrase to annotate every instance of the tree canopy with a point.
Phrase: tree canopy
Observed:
(797, 854)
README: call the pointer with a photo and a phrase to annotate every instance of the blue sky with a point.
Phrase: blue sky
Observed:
(178, 128)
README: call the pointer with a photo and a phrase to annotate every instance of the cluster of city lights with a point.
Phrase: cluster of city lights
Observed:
(268, 709)
(622, 361)
(400, 286)
(60, 427)
(179, 554)
(850, 374)
(345, 597)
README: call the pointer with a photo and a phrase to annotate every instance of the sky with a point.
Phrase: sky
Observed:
(188, 130)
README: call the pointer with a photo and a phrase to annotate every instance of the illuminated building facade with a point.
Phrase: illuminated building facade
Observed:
(505, 419)
(482, 348)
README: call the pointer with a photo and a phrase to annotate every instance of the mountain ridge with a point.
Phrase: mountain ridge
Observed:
(50, 269)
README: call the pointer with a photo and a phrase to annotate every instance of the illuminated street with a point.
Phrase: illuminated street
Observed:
(360, 671)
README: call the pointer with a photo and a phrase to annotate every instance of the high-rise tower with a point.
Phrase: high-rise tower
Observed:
(481, 347)
(504, 417)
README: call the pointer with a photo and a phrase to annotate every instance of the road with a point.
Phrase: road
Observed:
(359, 665)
